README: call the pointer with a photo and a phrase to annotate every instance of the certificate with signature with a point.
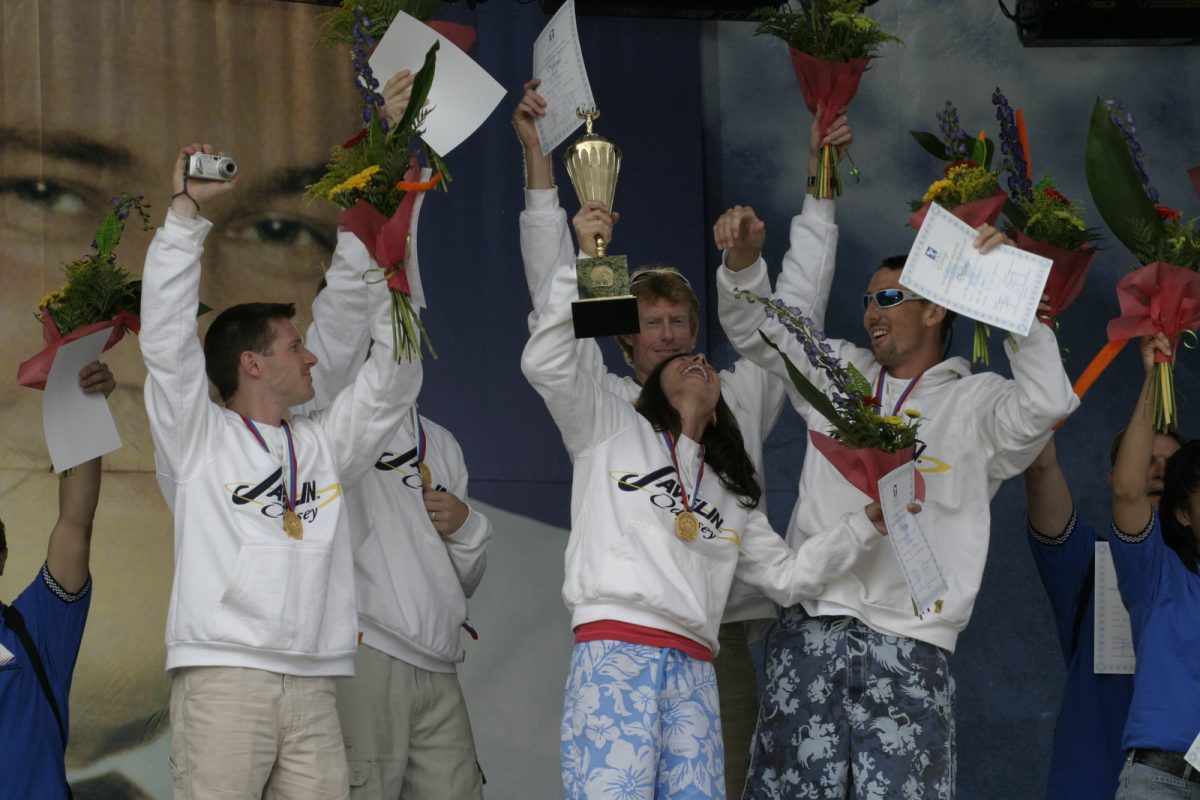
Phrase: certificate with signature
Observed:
(1002, 288)
(558, 62)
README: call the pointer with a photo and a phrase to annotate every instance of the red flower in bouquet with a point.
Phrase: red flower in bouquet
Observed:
(1167, 214)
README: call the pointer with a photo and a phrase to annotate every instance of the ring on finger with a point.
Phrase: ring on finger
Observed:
(433, 516)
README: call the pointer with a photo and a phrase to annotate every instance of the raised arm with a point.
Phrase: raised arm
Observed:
(539, 167)
(177, 402)
(808, 265)
(339, 335)
(1131, 508)
(364, 415)
(573, 394)
(1047, 493)
(1023, 411)
(69, 551)
(545, 240)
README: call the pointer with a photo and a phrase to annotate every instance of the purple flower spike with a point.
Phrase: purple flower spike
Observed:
(1019, 184)
(952, 133)
(1124, 121)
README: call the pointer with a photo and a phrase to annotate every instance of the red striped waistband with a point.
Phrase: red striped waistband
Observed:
(614, 630)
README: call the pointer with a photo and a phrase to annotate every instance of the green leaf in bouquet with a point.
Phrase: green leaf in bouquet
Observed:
(1117, 191)
(931, 144)
(858, 384)
(422, 82)
(982, 151)
(814, 396)
(108, 235)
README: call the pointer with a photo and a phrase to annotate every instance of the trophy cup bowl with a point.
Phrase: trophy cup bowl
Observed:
(605, 306)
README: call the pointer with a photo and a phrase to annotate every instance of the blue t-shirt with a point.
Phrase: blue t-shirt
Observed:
(31, 747)
(1087, 756)
(1163, 599)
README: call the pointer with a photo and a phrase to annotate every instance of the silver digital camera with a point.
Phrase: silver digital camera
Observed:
(211, 168)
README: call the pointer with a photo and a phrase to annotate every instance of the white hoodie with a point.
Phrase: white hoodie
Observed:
(245, 594)
(412, 583)
(624, 561)
(979, 430)
(754, 395)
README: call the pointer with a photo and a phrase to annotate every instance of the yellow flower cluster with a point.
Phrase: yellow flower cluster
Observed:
(938, 190)
(972, 183)
(962, 184)
(354, 182)
(57, 296)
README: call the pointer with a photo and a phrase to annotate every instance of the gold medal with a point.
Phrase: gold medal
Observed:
(426, 475)
(292, 525)
(687, 526)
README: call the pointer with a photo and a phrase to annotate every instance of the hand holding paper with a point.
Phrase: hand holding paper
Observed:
(1002, 287)
(558, 63)
(921, 572)
(77, 420)
(463, 95)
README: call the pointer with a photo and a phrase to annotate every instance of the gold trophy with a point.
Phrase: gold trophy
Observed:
(605, 306)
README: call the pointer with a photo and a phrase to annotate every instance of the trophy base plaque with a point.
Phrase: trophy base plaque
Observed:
(605, 316)
(605, 306)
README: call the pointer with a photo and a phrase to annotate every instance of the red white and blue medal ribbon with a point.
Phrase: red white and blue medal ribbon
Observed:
(687, 527)
(903, 395)
(292, 524)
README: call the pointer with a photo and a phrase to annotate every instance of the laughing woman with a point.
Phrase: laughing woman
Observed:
(662, 518)
(1155, 554)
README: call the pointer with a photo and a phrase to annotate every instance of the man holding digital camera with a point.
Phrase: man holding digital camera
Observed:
(262, 614)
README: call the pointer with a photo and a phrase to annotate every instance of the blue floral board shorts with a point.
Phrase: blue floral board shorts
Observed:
(640, 723)
(849, 712)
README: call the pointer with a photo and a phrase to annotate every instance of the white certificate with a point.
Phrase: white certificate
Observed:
(558, 61)
(78, 426)
(1193, 754)
(921, 572)
(1113, 649)
(1002, 288)
(462, 96)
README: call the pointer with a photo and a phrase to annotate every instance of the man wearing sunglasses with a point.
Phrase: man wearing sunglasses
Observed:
(859, 690)
(669, 316)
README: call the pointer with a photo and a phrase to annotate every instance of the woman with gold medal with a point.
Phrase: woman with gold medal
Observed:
(662, 519)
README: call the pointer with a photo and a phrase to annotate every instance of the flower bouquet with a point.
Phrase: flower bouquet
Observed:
(831, 43)
(969, 188)
(98, 295)
(865, 445)
(1040, 218)
(1163, 296)
(375, 176)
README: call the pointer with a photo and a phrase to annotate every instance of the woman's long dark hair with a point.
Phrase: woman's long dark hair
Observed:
(724, 450)
(1180, 481)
